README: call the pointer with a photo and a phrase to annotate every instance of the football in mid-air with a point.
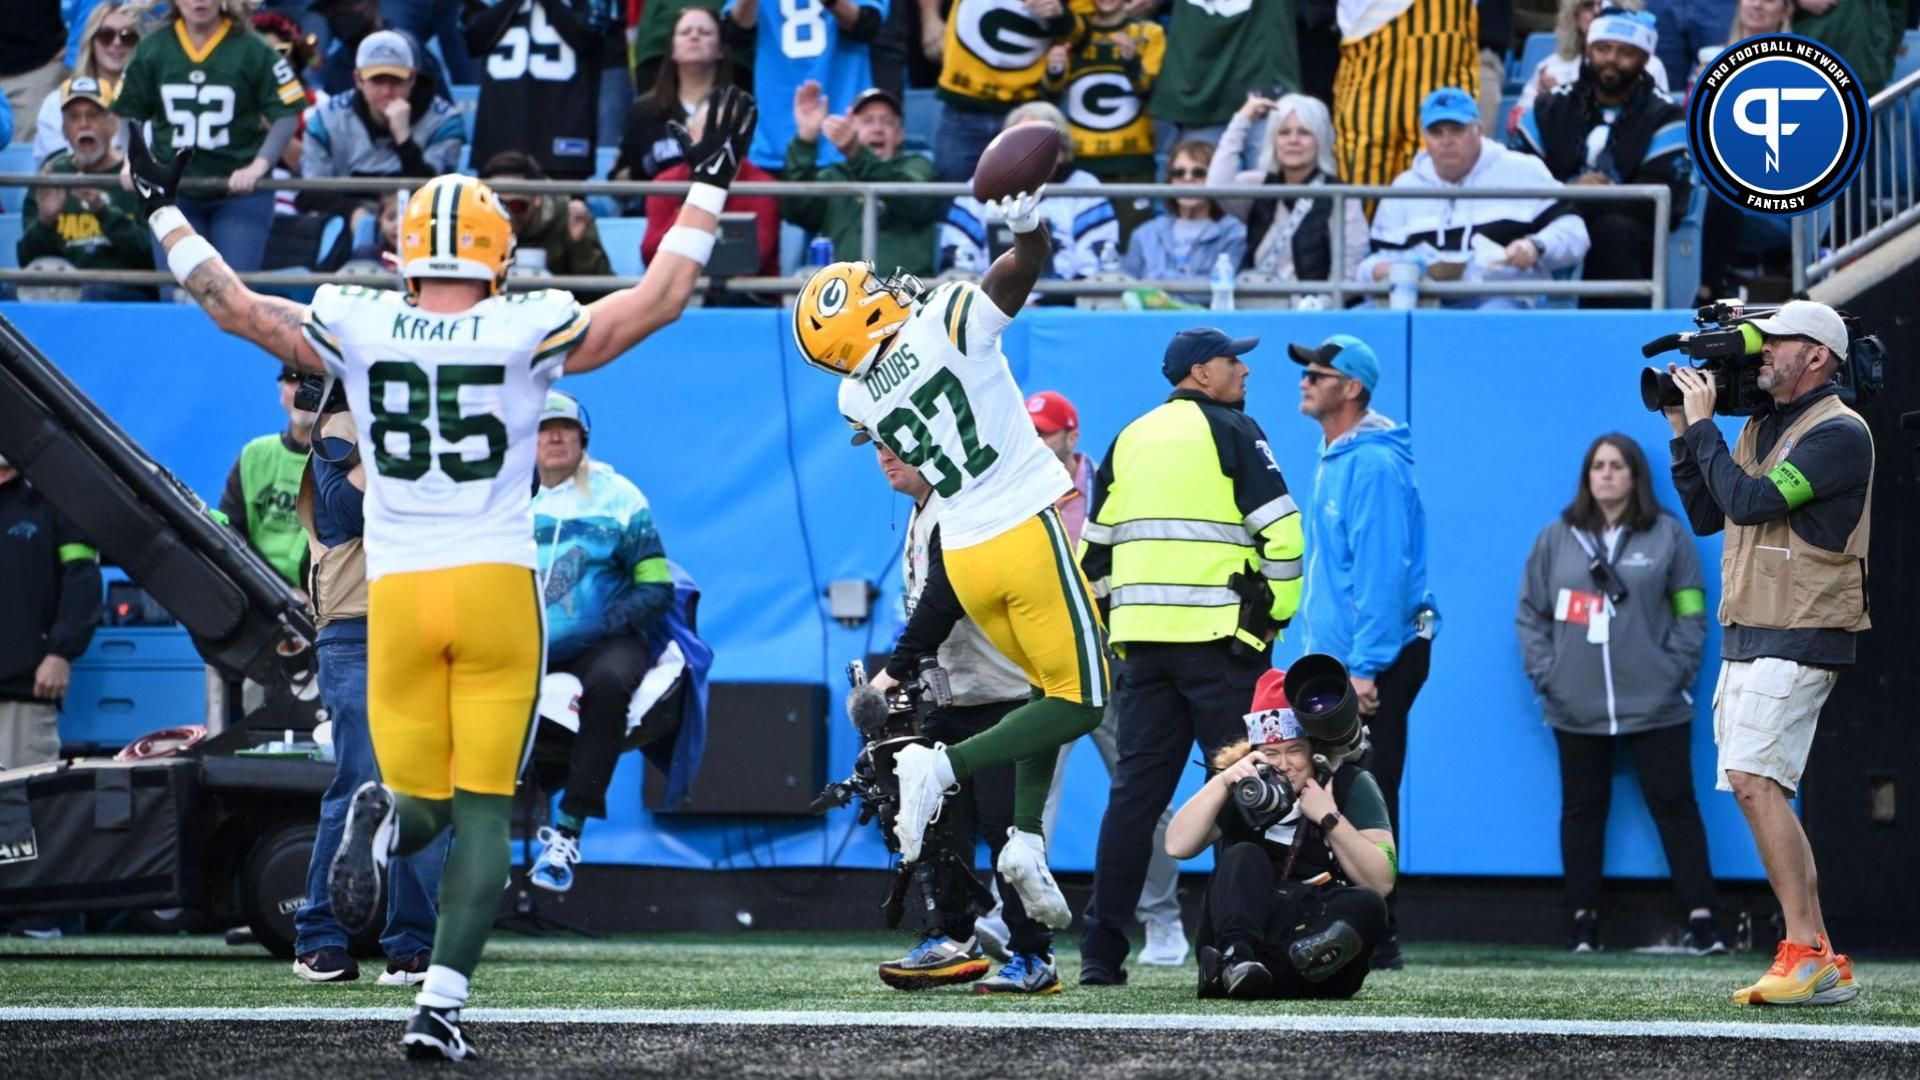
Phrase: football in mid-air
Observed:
(1021, 158)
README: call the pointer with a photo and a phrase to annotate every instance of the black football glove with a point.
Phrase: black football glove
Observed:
(731, 115)
(156, 183)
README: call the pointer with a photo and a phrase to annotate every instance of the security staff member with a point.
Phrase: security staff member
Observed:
(47, 619)
(1794, 499)
(1196, 546)
(264, 483)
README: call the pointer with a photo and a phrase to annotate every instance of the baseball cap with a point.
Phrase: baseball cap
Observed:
(873, 94)
(563, 406)
(1449, 103)
(1052, 412)
(1808, 319)
(85, 88)
(1199, 345)
(384, 52)
(1345, 354)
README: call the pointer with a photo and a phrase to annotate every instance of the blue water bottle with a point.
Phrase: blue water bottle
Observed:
(820, 252)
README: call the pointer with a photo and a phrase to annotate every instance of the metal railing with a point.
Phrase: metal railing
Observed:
(871, 194)
(1882, 200)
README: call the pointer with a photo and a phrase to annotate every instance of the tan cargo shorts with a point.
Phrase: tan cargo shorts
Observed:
(1764, 713)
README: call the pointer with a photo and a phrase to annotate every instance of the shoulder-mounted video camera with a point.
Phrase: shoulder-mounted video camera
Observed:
(887, 726)
(1727, 349)
(308, 396)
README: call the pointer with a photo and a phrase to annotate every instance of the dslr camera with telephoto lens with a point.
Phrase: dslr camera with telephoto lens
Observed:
(1726, 349)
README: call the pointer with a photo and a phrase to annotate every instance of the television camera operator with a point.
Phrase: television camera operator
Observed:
(1297, 901)
(1793, 495)
(985, 686)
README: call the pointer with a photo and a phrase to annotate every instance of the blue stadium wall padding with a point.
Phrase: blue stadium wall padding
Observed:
(743, 454)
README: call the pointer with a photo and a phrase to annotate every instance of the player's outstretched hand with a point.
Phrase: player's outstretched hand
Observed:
(157, 183)
(731, 115)
(1022, 211)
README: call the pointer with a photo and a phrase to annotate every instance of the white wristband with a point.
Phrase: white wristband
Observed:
(689, 243)
(707, 197)
(187, 255)
(165, 220)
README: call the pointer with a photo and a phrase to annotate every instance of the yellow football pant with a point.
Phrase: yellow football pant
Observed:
(1026, 592)
(454, 662)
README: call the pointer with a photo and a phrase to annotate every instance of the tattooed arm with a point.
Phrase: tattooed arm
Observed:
(271, 322)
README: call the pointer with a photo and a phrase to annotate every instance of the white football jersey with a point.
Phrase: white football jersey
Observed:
(943, 398)
(448, 408)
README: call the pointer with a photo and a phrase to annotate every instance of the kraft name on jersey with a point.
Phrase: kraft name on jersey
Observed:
(891, 370)
(419, 328)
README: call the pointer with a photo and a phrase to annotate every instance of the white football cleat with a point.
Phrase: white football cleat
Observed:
(1166, 943)
(1023, 862)
(919, 770)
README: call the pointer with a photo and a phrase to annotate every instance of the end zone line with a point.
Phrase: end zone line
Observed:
(1411, 1025)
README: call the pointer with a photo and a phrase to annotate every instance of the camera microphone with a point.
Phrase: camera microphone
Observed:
(867, 708)
(1662, 344)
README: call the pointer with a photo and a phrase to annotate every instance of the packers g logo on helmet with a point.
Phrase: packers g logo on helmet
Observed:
(846, 314)
(455, 227)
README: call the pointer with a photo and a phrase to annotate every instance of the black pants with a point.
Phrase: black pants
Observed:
(1166, 697)
(1247, 907)
(1622, 249)
(1386, 756)
(609, 673)
(982, 810)
(1663, 759)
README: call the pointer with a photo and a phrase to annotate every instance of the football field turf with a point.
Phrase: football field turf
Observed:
(782, 1004)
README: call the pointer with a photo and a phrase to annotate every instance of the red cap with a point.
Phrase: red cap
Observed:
(1052, 413)
(1270, 692)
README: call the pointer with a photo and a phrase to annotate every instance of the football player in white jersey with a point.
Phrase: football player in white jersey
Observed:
(925, 375)
(446, 381)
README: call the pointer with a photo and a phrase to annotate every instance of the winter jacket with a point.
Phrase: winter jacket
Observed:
(662, 210)
(565, 255)
(603, 570)
(1637, 679)
(1307, 253)
(1645, 143)
(905, 239)
(52, 587)
(1366, 548)
(343, 141)
(1477, 231)
(113, 237)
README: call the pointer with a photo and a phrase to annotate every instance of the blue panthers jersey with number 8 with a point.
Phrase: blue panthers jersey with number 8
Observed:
(794, 41)
(448, 409)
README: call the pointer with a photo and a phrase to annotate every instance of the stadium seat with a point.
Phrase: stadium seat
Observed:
(1683, 251)
(793, 247)
(15, 160)
(1906, 61)
(12, 224)
(466, 95)
(922, 120)
(1537, 48)
(621, 239)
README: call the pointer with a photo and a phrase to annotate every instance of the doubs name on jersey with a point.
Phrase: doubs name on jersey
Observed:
(891, 370)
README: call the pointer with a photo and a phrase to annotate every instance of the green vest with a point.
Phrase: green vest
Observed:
(270, 481)
(1176, 531)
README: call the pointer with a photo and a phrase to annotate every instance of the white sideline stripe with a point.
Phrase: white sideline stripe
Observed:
(1409, 1025)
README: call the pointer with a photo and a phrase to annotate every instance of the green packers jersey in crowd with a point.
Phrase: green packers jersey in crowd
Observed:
(219, 99)
(1218, 50)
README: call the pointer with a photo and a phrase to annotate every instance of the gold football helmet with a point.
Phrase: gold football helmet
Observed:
(846, 314)
(455, 227)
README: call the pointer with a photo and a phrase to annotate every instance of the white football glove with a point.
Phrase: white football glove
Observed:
(1022, 212)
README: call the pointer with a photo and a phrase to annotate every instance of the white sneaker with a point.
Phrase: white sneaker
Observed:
(919, 769)
(1023, 862)
(1166, 944)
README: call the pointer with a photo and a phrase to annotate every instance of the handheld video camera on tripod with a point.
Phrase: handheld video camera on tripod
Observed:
(887, 727)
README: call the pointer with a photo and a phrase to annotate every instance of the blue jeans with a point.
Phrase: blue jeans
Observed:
(413, 882)
(616, 97)
(1686, 27)
(236, 226)
(956, 146)
(428, 19)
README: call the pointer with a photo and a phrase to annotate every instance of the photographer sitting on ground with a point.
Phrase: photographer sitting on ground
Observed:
(1297, 899)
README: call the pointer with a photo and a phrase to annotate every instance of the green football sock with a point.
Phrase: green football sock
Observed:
(470, 890)
(1031, 737)
(421, 820)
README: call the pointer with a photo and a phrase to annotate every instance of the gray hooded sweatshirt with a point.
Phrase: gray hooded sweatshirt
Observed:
(1638, 678)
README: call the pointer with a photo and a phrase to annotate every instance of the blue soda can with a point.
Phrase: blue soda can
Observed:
(820, 252)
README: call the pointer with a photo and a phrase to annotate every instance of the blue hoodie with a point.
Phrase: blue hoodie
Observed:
(1366, 548)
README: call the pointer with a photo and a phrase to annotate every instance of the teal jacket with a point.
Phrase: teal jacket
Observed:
(603, 571)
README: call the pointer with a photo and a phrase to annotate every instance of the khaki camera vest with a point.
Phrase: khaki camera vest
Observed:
(337, 580)
(1774, 580)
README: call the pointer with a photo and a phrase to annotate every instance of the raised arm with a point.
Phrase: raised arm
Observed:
(1010, 279)
(626, 318)
(271, 322)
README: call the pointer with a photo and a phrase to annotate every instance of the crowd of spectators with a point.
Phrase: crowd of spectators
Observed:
(1288, 92)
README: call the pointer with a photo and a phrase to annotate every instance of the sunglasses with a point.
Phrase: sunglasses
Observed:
(1187, 174)
(126, 35)
(1314, 377)
(516, 204)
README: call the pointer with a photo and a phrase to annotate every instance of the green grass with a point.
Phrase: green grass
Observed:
(836, 972)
